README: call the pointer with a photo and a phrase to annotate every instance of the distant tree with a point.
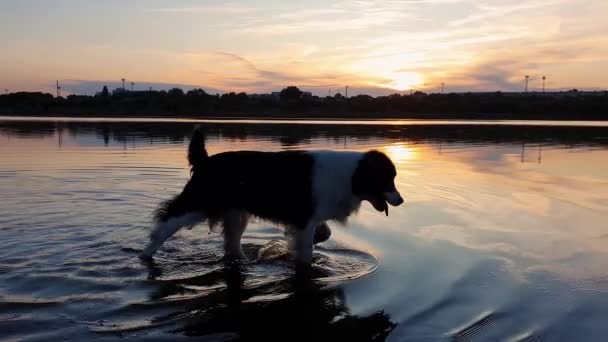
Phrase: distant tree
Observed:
(291, 93)
(175, 92)
(574, 104)
(196, 92)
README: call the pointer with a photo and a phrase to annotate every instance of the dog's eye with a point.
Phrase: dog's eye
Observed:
(390, 186)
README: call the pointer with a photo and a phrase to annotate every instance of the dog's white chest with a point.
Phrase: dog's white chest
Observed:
(332, 184)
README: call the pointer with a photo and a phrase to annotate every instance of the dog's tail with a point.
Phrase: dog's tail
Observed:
(197, 154)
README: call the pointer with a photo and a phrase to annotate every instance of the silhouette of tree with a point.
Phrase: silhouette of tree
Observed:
(196, 92)
(573, 105)
(291, 93)
(175, 92)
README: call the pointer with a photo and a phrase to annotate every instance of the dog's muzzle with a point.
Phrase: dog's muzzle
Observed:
(393, 198)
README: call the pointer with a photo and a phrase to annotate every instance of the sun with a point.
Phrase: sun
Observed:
(405, 80)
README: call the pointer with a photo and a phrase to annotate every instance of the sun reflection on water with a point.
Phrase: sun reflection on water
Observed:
(401, 152)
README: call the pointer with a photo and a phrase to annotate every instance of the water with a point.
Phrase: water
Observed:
(502, 237)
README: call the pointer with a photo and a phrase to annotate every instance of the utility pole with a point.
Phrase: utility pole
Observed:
(123, 83)
(544, 78)
(346, 91)
(442, 86)
(58, 89)
(527, 77)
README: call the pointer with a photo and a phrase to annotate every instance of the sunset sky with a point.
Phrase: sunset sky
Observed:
(375, 47)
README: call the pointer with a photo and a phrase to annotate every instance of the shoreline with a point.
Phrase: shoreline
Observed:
(304, 116)
(307, 121)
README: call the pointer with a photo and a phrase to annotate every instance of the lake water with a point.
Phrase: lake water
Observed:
(503, 236)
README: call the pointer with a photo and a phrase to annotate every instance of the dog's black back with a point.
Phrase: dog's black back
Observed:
(271, 185)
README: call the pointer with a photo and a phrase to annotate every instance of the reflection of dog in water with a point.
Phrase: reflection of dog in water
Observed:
(316, 313)
(300, 190)
(256, 310)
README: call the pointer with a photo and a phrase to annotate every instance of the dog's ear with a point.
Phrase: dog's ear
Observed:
(375, 162)
(374, 172)
(363, 175)
(382, 165)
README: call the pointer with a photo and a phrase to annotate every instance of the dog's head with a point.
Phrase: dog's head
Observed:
(374, 181)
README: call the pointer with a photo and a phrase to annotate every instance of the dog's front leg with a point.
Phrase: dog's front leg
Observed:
(235, 223)
(305, 242)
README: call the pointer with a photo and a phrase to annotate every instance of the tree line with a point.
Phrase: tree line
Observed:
(291, 102)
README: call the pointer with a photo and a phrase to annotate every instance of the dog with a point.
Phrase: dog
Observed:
(300, 190)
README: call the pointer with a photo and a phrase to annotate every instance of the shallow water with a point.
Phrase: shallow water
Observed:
(503, 236)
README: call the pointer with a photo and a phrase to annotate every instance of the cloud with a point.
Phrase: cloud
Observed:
(538, 37)
(468, 44)
(485, 12)
(209, 9)
(252, 75)
(318, 86)
(340, 16)
(248, 64)
(489, 76)
(236, 73)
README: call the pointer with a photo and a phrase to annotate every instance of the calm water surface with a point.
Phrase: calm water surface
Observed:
(503, 236)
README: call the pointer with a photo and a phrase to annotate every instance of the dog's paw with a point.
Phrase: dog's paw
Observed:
(322, 233)
(235, 257)
(145, 257)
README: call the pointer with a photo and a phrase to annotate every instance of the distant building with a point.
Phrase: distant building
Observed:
(122, 91)
(567, 93)
(276, 95)
(259, 96)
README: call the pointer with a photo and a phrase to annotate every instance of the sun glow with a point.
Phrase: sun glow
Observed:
(405, 80)
(400, 152)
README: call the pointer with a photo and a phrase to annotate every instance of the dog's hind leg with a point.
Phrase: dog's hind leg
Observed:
(235, 222)
(165, 229)
(304, 242)
(322, 234)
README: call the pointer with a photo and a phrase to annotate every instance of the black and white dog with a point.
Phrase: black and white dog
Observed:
(296, 189)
